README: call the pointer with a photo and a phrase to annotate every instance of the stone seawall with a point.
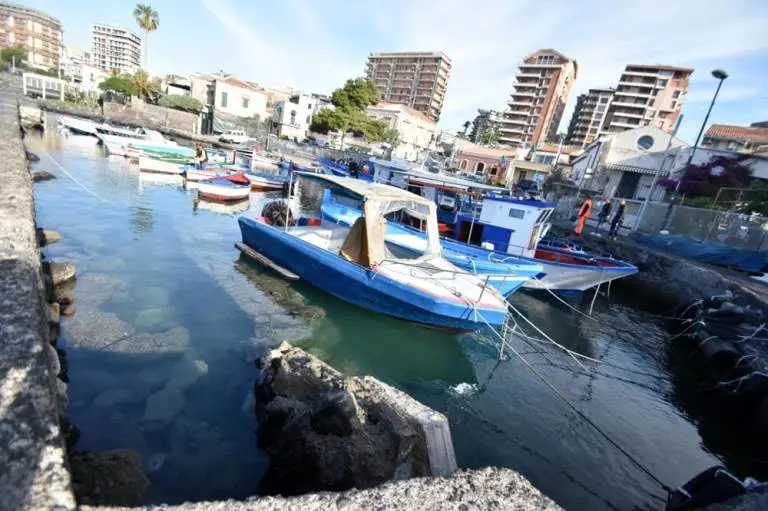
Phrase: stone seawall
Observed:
(33, 473)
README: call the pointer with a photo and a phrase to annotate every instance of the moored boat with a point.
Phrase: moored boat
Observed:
(355, 265)
(193, 174)
(232, 188)
(155, 166)
(267, 181)
(78, 126)
(506, 274)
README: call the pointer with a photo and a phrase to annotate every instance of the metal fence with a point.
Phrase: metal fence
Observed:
(737, 230)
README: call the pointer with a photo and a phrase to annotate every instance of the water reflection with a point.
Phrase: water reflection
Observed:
(230, 208)
(141, 220)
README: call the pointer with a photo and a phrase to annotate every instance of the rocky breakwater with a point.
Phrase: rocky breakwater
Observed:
(326, 432)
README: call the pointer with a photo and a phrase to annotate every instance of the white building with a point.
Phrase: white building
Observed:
(72, 60)
(113, 47)
(624, 164)
(227, 94)
(417, 134)
(293, 117)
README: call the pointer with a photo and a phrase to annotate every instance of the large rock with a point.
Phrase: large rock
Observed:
(42, 175)
(325, 432)
(60, 272)
(48, 236)
(111, 478)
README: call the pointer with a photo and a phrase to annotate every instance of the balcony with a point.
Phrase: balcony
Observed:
(622, 124)
(620, 93)
(624, 113)
(523, 74)
(531, 94)
(638, 85)
(639, 73)
(526, 103)
(629, 104)
(517, 122)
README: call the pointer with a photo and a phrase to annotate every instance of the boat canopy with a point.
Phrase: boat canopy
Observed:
(365, 242)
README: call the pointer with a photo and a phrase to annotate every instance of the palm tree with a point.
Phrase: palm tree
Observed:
(466, 126)
(142, 84)
(148, 20)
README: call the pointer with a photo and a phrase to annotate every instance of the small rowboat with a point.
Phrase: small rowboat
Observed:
(159, 166)
(232, 188)
(193, 174)
(266, 181)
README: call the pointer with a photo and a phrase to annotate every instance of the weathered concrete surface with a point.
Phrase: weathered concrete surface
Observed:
(32, 455)
(112, 477)
(326, 432)
(488, 488)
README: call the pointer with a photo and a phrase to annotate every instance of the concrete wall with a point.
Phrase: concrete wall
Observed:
(32, 454)
(154, 115)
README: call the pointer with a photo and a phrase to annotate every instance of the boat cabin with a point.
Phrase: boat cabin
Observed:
(512, 226)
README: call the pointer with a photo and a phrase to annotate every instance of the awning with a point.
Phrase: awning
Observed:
(636, 170)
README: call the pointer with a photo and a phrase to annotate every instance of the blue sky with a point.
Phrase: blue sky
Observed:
(315, 45)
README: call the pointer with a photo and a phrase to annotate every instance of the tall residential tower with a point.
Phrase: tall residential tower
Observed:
(116, 48)
(647, 95)
(38, 33)
(415, 79)
(541, 88)
(588, 116)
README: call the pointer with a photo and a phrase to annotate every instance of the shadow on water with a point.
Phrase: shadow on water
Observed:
(358, 342)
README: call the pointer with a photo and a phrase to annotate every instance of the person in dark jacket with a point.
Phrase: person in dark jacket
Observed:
(353, 168)
(617, 218)
(605, 212)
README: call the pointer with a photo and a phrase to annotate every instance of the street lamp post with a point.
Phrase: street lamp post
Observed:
(721, 76)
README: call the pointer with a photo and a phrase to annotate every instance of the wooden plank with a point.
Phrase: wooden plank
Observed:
(262, 259)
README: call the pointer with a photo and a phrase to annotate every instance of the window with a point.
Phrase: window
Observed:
(479, 167)
(293, 116)
(463, 165)
(309, 119)
(645, 142)
(224, 99)
(676, 94)
(516, 213)
(245, 102)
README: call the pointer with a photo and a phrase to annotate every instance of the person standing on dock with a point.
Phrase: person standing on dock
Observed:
(617, 218)
(605, 212)
(581, 218)
(201, 156)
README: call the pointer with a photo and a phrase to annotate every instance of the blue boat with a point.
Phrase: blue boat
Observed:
(334, 168)
(355, 264)
(506, 273)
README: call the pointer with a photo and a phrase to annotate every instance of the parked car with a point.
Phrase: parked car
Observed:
(234, 137)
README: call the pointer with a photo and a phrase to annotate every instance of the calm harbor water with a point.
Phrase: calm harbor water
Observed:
(170, 318)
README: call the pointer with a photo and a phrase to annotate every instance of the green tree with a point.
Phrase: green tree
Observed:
(756, 198)
(18, 52)
(120, 84)
(356, 94)
(148, 19)
(180, 102)
(466, 127)
(489, 138)
(141, 84)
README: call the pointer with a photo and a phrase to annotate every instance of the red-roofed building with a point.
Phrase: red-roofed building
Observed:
(739, 139)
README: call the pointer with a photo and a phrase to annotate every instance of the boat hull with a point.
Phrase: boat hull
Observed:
(565, 277)
(266, 183)
(159, 167)
(195, 175)
(214, 191)
(371, 289)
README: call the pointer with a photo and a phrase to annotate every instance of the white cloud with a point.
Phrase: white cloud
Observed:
(320, 44)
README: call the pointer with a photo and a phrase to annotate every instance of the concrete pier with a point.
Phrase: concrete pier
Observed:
(33, 474)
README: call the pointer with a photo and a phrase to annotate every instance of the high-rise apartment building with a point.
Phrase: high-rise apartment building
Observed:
(588, 117)
(113, 47)
(541, 88)
(647, 95)
(37, 32)
(415, 79)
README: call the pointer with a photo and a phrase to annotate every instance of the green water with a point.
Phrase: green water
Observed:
(170, 318)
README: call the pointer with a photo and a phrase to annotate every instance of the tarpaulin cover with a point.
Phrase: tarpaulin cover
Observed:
(720, 255)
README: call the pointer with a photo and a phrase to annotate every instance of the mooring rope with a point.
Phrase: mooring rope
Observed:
(581, 414)
(81, 185)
